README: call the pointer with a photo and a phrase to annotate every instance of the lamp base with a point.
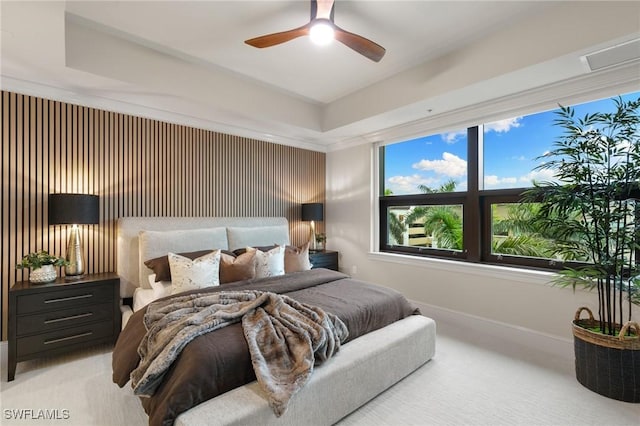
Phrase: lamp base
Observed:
(75, 267)
(312, 236)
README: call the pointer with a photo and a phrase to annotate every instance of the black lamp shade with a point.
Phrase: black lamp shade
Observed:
(312, 211)
(74, 209)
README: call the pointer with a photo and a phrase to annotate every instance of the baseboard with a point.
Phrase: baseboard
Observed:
(547, 343)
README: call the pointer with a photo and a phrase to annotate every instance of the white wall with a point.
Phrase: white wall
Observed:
(517, 297)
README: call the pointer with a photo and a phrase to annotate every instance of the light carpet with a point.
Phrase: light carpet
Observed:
(473, 380)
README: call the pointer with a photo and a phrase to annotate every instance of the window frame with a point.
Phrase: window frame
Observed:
(419, 200)
(476, 204)
(468, 199)
(509, 196)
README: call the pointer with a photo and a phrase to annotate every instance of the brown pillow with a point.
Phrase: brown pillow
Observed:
(242, 267)
(243, 250)
(296, 259)
(160, 265)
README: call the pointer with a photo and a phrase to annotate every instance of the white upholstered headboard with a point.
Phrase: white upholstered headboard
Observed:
(235, 232)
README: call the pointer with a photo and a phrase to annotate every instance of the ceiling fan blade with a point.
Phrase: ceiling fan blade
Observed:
(362, 45)
(278, 38)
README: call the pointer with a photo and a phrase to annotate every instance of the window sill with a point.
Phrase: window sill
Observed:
(523, 275)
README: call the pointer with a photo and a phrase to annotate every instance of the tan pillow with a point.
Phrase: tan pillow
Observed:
(296, 259)
(238, 268)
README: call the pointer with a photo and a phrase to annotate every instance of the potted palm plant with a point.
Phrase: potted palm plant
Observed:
(592, 209)
(41, 265)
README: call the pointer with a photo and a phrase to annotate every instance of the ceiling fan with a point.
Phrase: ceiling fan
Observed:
(322, 28)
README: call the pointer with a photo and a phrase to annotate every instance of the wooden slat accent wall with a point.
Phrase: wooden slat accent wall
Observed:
(138, 167)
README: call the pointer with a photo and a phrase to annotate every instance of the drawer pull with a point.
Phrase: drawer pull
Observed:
(72, 317)
(62, 339)
(65, 299)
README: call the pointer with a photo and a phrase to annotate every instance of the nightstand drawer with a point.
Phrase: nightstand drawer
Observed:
(65, 337)
(62, 299)
(323, 262)
(324, 259)
(53, 320)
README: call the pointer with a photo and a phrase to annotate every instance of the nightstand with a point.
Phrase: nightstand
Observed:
(62, 316)
(324, 259)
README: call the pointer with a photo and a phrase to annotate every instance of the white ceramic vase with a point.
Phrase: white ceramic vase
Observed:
(44, 274)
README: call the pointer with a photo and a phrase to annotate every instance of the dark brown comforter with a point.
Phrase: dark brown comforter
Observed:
(219, 361)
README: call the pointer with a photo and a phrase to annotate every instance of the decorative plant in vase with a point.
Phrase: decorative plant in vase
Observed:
(593, 210)
(321, 239)
(42, 266)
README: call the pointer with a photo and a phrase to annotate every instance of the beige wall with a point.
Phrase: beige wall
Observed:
(516, 297)
(138, 167)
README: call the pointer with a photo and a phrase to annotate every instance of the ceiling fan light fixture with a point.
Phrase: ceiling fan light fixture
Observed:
(322, 30)
(321, 33)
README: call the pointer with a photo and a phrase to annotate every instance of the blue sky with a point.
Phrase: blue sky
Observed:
(510, 150)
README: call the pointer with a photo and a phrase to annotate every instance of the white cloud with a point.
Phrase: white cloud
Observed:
(503, 126)
(493, 181)
(409, 184)
(545, 175)
(625, 147)
(451, 165)
(453, 137)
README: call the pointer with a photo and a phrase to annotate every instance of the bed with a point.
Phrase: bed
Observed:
(393, 344)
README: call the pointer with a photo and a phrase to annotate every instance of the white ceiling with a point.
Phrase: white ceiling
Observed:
(185, 61)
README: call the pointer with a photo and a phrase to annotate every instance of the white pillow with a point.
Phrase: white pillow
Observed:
(187, 274)
(142, 297)
(160, 288)
(270, 263)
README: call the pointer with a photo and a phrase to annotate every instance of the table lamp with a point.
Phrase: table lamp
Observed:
(312, 212)
(74, 209)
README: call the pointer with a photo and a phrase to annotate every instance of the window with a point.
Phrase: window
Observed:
(425, 183)
(513, 231)
(458, 194)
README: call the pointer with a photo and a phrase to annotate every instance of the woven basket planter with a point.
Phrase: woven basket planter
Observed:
(608, 365)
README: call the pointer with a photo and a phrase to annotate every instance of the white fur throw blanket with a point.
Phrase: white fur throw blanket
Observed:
(285, 338)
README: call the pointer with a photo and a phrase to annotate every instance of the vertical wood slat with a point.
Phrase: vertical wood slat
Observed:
(137, 166)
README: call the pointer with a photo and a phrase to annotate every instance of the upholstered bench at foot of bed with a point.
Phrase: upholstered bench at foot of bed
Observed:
(361, 370)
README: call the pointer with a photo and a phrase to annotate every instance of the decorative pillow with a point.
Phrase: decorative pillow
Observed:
(296, 259)
(190, 274)
(160, 265)
(269, 263)
(242, 267)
